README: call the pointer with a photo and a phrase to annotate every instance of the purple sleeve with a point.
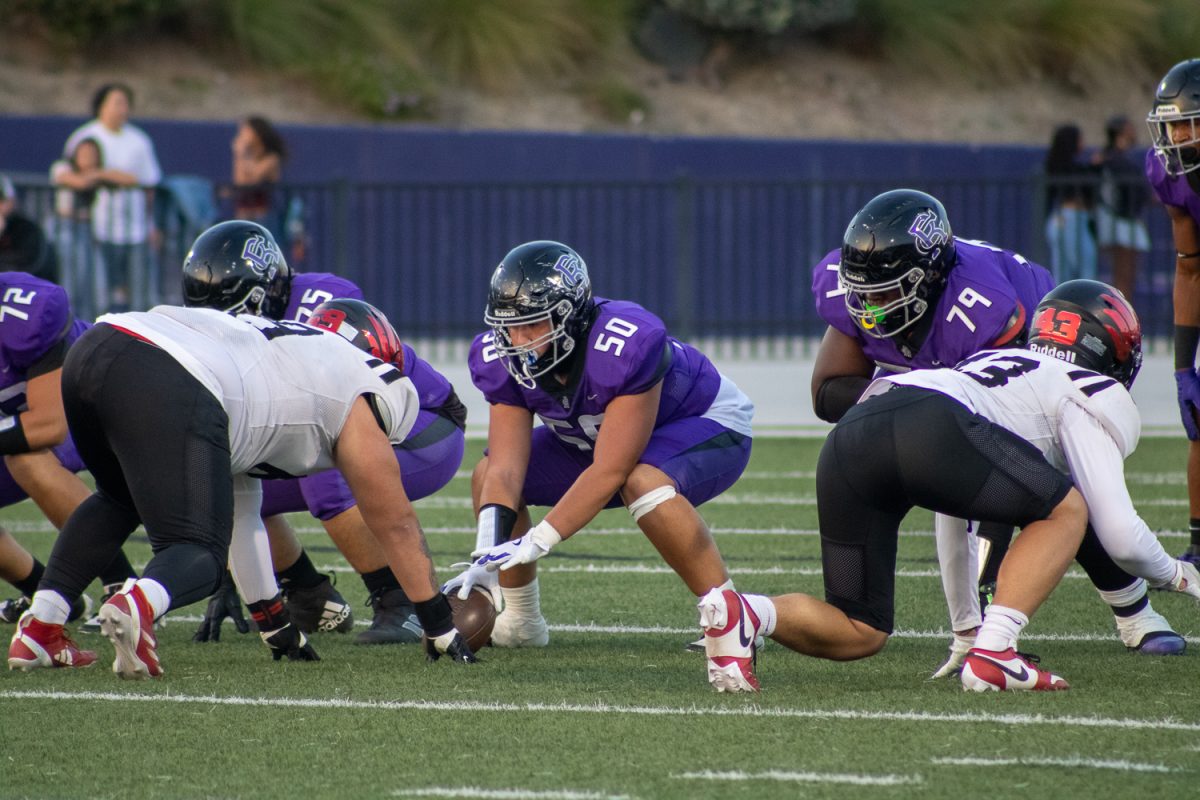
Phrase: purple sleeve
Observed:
(310, 289)
(432, 387)
(829, 295)
(626, 347)
(489, 375)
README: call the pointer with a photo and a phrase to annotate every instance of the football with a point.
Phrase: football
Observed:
(474, 617)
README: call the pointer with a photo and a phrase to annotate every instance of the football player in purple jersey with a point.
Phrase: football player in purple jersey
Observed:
(1173, 170)
(904, 293)
(40, 461)
(428, 459)
(630, 417)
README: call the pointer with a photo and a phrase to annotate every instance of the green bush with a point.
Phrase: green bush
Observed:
(82, 23)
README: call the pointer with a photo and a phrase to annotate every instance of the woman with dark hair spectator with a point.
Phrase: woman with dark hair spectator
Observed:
(1119, 226)
(1070, 195)
(258, 155)
(121, 219)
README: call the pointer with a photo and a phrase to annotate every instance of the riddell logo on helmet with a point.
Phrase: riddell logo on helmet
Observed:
(504, 312)
(1053, 352)
(261, 255)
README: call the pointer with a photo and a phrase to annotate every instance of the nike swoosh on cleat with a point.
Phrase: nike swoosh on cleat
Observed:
(1023, 675)
(743, 637)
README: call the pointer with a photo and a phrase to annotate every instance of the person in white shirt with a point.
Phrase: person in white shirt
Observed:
(178, 413)
(1031, 437)
(122, 219)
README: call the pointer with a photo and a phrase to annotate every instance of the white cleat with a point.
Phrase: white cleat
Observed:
(520, 630)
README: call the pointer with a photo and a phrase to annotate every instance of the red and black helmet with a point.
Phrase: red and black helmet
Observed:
(363, 325)
(1091, 324)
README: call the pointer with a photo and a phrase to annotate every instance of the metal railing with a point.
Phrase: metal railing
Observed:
(713, 258)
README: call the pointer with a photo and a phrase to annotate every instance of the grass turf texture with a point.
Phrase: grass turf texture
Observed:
(615, 707)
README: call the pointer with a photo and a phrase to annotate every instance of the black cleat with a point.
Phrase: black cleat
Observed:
(395, 620)
(319, 608)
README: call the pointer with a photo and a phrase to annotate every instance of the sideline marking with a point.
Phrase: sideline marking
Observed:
(505, 794)
(1071, 761)
(804, 777)
(750, 710)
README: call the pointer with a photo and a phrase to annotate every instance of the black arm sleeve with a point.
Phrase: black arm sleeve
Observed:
(51, 360)
(837, 395)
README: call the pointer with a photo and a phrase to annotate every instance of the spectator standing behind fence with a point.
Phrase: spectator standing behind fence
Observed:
(82, 273)
(1070, 192)
(23, 245)
(121, 218)
(258, 153)
(1120, 230)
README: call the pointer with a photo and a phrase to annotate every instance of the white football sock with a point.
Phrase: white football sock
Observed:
(1000, 629)
(156, 594)
(523, 601)
(50, 607)
(764, 608)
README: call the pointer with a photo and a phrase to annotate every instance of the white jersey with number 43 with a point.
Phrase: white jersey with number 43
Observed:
(287, 387)
(1037, 397)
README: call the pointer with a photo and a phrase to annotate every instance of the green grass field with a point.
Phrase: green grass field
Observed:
(615, 707)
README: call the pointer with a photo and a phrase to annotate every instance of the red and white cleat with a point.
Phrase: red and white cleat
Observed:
(127, 620)
(730, 635)
(1005, 671)
(38, 644)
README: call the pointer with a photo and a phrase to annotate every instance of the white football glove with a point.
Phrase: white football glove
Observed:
(959, 646)
(523, 550)
(475, 575)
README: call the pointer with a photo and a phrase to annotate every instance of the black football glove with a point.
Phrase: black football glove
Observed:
(225, 603)
(290, 641)
(277, 631)
(452, 645)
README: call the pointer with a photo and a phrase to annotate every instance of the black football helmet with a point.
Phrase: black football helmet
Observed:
(537, 282)
(1091, 324)
(237, 267)
(363, 325)
(896, 254)
(1177, 103)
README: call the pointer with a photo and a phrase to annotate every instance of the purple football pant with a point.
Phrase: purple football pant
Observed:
(11, 493)
(703, 457)
(325, 495)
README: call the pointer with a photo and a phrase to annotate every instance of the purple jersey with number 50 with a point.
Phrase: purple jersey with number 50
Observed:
(35, 316)
(627, 352)
(1171, 191)
(987, 293)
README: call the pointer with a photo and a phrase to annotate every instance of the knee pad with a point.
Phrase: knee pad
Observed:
(650, 501)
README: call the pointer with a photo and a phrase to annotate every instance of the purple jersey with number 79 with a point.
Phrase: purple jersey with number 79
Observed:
(989, 296)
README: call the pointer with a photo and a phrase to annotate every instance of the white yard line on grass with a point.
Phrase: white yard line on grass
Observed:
(1073, 761)
(756, 499)
(803, 777)
(749, 710)
(505, 794)
(660, 630)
